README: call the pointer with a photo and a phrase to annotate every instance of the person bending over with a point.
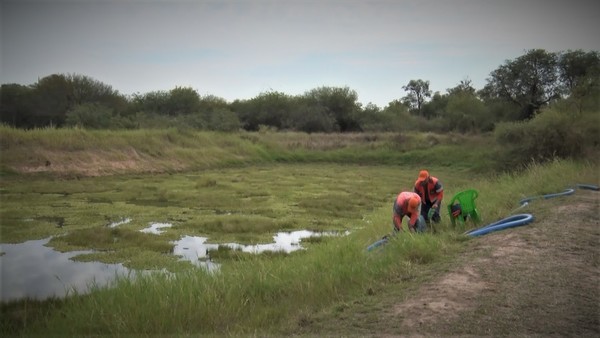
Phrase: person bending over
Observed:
(408, 204)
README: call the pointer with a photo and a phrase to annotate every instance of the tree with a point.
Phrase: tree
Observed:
(218, 114)
(418, 91)
(211, 103)
(182, 101)
(464, 87)
(85, 89)
(339, 103)
(15, 105)
(52, 98)
(391, 119)
(398, 117)
(223, 119)
(580, 75)
(269, 108)
(309, 117)
(155, 102)
(90, 115)
(48, 101)
(577, 66)
(530, 81)
(435, 107)
(465, 112)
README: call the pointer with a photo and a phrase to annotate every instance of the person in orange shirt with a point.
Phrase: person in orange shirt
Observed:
(408, 204)
(431, 191)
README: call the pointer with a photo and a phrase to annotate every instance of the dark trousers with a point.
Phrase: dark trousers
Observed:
(436, 215)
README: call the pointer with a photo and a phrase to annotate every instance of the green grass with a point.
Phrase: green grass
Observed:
(245, 204)
(268, 293)
(77, 153)
(334, 185)
(248, 295)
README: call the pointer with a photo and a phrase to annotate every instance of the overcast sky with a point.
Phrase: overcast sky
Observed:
(239, 49)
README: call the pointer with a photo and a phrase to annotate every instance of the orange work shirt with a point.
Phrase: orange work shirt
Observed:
(432, 193)
(401, 210)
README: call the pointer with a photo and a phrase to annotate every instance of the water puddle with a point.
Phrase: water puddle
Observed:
(121, 222)
(154, 228)
(197, 251)
(33, 270)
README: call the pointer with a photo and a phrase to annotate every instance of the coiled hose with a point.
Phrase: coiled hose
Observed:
(509, 222)
(523, 219)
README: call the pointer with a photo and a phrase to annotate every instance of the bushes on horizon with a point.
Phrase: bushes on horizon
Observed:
(554, 133)
(89, 115)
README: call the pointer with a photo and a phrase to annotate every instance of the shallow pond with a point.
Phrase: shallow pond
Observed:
(31, 269)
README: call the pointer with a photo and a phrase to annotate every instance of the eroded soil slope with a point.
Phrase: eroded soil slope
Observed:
(542, 280)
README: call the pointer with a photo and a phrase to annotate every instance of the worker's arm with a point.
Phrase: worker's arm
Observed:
(439, 189)
(412, 222)
(397, 219)
(414, 218)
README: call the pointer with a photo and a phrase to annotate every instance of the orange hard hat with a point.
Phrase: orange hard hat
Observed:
(423, 175)
(413, 203)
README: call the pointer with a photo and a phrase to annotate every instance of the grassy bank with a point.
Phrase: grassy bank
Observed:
(273, 294)
(79, 152)
(250, 186)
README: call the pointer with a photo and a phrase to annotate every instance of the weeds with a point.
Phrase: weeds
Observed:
(251, 293)
(78, 152)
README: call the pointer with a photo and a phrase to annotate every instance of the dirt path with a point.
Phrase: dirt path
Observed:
(542, 279)
(539, 280)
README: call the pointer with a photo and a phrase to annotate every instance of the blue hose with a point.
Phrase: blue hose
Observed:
(377, 244)
(588, 187)
(564, 193)
(509, 222)
(523, 219)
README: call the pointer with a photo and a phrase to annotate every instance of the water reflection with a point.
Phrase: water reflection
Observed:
(154, 228)
(196, 250)
(121, 222)
(31, 269)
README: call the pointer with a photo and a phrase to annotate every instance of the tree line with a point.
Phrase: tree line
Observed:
(517, 90)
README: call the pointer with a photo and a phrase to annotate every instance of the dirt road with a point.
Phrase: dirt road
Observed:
(539, 280)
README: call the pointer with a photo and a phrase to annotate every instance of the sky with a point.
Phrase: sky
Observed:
(238, 49)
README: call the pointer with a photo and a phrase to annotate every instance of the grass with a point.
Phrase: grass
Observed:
(245, 204)
(333, 185)
(73, 153)
(547, 296)
(246, 296)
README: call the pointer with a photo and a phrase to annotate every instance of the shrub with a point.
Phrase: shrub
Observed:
(90, 115)
(553, 133)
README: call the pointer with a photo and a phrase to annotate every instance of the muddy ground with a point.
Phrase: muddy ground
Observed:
(539, 280)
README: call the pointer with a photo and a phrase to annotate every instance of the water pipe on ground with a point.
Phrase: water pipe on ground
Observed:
(523, 219)
(509, 222)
